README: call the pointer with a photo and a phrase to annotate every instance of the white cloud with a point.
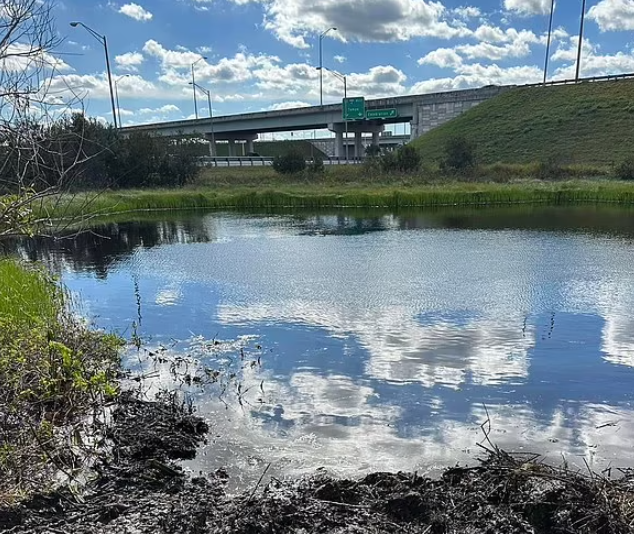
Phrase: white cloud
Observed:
(613, 15)
(478, 75)
(294, 21)
(468, 12)
(171, 58)
(288, 105)
(441, 57)
(136, 12)
(528, 7)
(24, 57)
(339, 59)
(129, 61)
(163, 110)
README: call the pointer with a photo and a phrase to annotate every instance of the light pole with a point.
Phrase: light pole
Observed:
(583, 16)
(193, 83)
(344, 79)
(104, 42)
(550, 33)
(321, 64)
(116, 94)
(212, 146)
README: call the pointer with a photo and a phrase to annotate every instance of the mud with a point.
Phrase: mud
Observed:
(139, 488)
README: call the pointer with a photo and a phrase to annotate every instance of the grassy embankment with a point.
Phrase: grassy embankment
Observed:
(324, 194)
(589, 123)
(54, 371)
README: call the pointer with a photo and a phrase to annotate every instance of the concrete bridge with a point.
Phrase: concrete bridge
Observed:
(423, 112)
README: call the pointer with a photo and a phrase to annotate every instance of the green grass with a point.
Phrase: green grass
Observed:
(588, 123)
(28, 296)
(321, 195)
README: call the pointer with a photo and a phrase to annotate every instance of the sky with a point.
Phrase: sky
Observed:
(263, 54)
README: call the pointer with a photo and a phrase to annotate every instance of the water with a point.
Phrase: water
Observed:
(385, 338)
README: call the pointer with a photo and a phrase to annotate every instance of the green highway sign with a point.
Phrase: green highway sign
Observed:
(354, 108)
(389, 113)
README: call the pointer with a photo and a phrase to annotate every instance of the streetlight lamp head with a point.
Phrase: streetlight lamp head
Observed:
(74, 24)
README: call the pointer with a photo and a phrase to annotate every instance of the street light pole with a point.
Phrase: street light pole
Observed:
(583, 16)
(116, 94)
(104, 42)
(212, 146)
(550, 33)
(193, 84)
(344, 79)
(321, 64)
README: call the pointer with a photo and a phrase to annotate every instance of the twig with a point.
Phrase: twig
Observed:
(258, 483)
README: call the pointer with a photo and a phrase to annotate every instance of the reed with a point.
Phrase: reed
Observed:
(324, 196)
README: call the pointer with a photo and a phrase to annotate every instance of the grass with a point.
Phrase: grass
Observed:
(28, 296)
(588, 123)
(53, 372)
(328, 195)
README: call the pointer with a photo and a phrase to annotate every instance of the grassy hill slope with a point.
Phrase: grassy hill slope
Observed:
(585, 123)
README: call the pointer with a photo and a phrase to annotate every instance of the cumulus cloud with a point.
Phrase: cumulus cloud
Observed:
(528, 7)
(613, 15)
(441, 57)
(294, 21)
(163, 110)
(129, 61)
(288, 105)
(136, 12)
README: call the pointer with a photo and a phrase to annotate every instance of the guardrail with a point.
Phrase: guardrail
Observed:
(608, 78)
(261, 161)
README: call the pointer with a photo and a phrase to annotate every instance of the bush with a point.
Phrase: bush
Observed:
(625, 169)
(459, 155)
(550, 169)
(373, 151)
(317, 165)
(290, 163)
(405, 159)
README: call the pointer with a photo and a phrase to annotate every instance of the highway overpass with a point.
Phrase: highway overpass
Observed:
(423, 112)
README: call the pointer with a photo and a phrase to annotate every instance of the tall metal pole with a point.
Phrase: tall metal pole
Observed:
(194, 90)
(104, 42)
(212, 148)
(105, 46)
(194, 85)
(583, 15)
(345, 96)
(116, 94)
(321, 64)
(550, 33)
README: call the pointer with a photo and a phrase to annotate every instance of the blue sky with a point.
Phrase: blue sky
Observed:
(261, 54)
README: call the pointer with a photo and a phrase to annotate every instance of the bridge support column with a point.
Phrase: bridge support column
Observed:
(358, 144)
(339, 148)
(250, 146)
(375, 137)
(232, 147)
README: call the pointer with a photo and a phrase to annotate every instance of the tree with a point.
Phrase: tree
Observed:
(36, 164)
(290, 163)
(459, 155)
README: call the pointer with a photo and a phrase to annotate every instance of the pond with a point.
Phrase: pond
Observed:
(384, 341)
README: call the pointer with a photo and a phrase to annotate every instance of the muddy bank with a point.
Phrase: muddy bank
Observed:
(140, 489)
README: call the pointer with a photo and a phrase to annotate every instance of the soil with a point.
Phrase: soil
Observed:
(140, 488)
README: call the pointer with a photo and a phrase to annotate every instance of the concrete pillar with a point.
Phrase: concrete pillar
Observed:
(232, 147)
(375, 137)
(250, 146)
(339, 148)
(358, 144)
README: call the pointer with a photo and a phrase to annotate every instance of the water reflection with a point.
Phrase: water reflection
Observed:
(386, 334)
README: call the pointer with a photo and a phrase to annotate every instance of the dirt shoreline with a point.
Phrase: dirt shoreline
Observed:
(140, 488)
